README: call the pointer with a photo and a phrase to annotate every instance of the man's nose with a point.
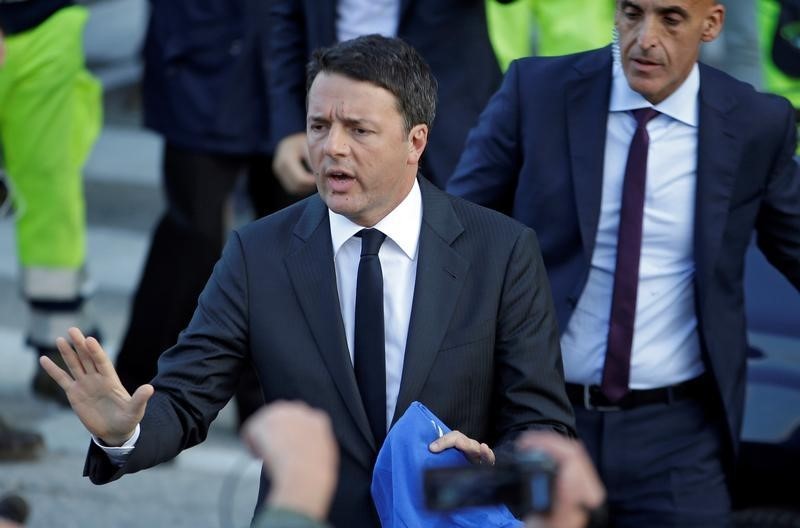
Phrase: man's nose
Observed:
(336, 142)
(648, 32)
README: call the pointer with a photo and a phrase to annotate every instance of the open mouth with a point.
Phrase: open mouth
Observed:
(338, 174)
(339, 180)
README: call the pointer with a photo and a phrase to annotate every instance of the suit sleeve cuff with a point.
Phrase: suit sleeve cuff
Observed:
(119, 455)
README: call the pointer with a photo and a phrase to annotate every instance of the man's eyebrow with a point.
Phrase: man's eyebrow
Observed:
(667, 10)
(354, 122)
(673, 9)
(357, 122)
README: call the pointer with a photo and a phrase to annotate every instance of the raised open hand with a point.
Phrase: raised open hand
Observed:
(94, 390)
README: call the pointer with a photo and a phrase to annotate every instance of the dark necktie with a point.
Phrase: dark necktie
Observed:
(616, 371)
(369, 353)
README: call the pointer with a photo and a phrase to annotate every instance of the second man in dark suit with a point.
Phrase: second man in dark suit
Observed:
(645, 175)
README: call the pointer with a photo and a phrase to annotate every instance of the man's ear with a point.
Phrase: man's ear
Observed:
(417, 141)
(713, 22)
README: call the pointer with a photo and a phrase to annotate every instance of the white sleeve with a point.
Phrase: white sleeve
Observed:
(118, 455)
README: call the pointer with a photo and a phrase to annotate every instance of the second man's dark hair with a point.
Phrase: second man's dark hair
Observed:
(386, 62)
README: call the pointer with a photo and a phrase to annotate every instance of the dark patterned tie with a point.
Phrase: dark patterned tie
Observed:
(369, 352)
(616, 370)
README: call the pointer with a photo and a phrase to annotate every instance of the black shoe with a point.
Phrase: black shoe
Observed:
(18, 445)
(14, 508)
(46, 387)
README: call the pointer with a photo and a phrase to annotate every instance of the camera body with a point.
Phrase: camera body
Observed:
(524, 483)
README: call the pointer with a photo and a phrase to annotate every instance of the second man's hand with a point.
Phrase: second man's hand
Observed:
(94, 390)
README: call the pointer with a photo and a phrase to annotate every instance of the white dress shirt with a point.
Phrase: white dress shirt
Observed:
(666, 346)
(398, 256)
(364, 17)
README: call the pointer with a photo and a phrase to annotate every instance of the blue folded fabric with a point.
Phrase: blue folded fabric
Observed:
(398, 476)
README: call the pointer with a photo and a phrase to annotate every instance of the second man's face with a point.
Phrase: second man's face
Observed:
(364, 161)
(660, 40)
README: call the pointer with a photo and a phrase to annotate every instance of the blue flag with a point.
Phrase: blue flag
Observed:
(398, 476)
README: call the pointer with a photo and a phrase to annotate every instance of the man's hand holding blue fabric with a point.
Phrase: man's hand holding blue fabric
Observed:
(397, 479)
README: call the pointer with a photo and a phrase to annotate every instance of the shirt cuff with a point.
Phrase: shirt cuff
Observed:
(119, 455)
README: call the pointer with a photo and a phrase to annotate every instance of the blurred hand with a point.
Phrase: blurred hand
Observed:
(300, 454)
(94, 391)
(290, 165)
(577, 488)
(476, 452)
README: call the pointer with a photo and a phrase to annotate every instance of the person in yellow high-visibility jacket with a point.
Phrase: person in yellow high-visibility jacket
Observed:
(548, 27)
(50, 115)
(775, 80)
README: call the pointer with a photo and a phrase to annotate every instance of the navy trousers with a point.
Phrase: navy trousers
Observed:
(662, 464)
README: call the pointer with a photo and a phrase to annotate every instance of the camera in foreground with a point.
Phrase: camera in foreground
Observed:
(524, 484)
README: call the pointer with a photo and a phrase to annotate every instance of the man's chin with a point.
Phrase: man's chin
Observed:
(647, 87)
(338, 203)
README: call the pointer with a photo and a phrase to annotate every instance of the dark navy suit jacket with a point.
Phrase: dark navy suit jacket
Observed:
(450, 34)
(205, 74)
(482, 350)
(537, 154)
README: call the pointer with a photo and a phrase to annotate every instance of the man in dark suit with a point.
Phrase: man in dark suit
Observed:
(451, 35)
(647, 273)
(464, 320)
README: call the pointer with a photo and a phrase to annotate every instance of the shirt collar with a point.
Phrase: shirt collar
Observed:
(681, 105)
(402, 224)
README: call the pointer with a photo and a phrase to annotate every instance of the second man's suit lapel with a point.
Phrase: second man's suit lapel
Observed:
(587, 98)
(719, 147)
(311, 269)
(441, 272)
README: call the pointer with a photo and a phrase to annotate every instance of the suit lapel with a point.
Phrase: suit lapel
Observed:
(440, 277)
(718, 152)
(587, 114)
(313, 275)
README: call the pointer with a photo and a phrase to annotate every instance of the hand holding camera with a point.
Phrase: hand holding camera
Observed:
(578, 495)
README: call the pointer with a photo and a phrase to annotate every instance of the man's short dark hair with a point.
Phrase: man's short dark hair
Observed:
(386, 62)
